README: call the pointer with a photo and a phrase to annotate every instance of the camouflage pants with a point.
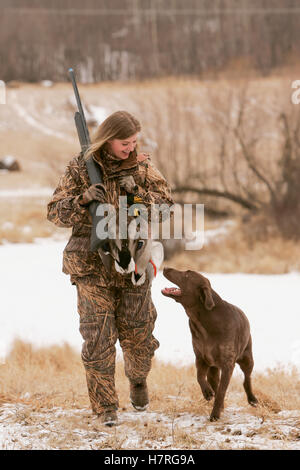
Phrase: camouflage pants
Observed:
(108, 314)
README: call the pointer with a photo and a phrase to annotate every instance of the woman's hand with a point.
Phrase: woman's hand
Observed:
(142, 156)
(95, 192)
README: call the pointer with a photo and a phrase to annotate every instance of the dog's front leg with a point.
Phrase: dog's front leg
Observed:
(213, 378)
(220, 396)
(202, 369)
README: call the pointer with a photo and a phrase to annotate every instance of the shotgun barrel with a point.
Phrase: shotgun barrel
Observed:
(93, 169)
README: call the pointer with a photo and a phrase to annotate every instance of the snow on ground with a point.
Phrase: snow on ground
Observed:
(204, 237)
(26, 192)
(38, 304)
(29, 119)
(22, 428)
(98, 113)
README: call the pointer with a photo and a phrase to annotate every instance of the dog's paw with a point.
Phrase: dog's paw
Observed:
(253, 401)
(208, 393)
(214, 417)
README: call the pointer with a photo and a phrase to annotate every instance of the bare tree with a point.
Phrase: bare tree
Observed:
(232, 152)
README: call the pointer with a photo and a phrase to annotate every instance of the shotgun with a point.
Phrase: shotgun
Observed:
(93, 169)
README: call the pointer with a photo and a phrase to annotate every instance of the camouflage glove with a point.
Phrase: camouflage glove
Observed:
(128, 183)
(95, 192)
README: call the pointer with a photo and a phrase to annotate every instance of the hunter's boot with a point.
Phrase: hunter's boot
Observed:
(139, 394)
(108, 418)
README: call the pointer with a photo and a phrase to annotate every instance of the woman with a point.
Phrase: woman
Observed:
(110, 307)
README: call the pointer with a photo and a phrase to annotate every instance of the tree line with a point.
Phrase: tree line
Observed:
(139, 39)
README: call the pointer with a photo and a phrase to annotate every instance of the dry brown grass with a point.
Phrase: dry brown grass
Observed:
(24, 219)
(44, 392)
(237, 252)
(24, 223)
(42, 158)
(54, 376)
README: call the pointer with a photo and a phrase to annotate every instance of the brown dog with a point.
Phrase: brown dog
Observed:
(220, 336)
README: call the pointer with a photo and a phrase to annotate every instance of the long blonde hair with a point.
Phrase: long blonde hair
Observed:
(119, 125)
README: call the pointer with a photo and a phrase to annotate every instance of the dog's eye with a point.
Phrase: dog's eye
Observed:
(140, 244)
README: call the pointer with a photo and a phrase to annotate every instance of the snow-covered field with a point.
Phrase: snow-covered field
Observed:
(20, 428)
(38, 304)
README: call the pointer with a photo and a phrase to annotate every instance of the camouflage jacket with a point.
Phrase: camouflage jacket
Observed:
(64, 210)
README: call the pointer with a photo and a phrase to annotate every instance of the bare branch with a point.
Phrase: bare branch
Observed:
(252, 166)
(216, 193)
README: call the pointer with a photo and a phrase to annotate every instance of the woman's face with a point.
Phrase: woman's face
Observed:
(122, 148)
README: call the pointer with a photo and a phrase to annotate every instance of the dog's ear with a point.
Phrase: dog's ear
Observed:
(206, 297)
